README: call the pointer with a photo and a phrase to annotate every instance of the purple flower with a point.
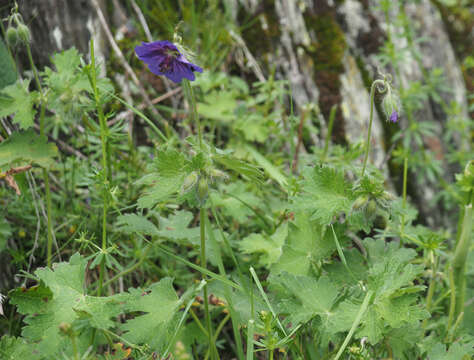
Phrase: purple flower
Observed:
(164, 58)
(394, 116)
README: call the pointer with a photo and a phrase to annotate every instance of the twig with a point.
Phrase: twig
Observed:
(64, 146)
(142, 20)
(141, 106)
(149, 37)
(300, 140)
(38, 222)
(124, 62)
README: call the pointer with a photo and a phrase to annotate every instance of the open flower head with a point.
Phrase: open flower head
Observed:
(164, 58)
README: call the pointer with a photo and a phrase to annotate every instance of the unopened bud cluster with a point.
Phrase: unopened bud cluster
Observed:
(17, 32)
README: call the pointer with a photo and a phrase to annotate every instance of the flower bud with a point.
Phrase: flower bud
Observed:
(390, 106)
(371, 207)
(202, 189)
(24, 33)
(189, 182)
(12, 36)
(360, 202)
(65, 328)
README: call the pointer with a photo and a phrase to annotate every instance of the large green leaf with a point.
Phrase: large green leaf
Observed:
(270, 247)
(60, 298)
(159, 302)
(17, 99)
(325, 194)
(133, 223)
(26, 148)
(456, 351)
(12, 348)
(305, 297)
(306, 244)
(176, 227)
(391, 278)
(166, 179)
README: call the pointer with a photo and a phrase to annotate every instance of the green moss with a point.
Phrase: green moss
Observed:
(258, 38)
(327, 52)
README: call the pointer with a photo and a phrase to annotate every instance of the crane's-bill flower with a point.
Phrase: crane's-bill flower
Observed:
(164, 58)
(391, 105)
(394, 116)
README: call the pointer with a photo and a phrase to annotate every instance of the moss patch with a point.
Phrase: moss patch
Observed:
(261, 29)
(327, 52)
(459, 23)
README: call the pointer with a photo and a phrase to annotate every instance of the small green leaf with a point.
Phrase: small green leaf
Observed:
(176, 227)
(16, 99)
(133, 223)
(8, 73)
(26, 147)
(271, 169)
(5, 232)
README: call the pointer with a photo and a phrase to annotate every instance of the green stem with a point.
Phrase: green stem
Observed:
(432, 285)
(250, 332)
(369, 131)
(355, 324)
(459, 260)
(74, 347)
(130, 269)
(188, 91)
(202, 225)
(105, 175)
(35, 71)
(198, 322)
(404, 197)
(332, 116)
(218, 330)
(452, 303)
(49, 251)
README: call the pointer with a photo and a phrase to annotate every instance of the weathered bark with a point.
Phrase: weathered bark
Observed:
(57, 25)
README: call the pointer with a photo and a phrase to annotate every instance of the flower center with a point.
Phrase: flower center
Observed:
(170, 56)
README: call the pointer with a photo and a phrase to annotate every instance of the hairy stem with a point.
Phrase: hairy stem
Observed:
(49, 251)
(459, 260)
(105, 176)
(404, 197)
(332, 116)
(374, 86)
(188, 91)
(355, 324)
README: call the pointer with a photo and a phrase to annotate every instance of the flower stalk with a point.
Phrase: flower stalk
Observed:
(103, 139)
(49, 226)
(202, 189)
(459, 261)
(381, 86)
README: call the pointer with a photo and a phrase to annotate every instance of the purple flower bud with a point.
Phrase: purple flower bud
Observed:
(394, 116)
(164, 58)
